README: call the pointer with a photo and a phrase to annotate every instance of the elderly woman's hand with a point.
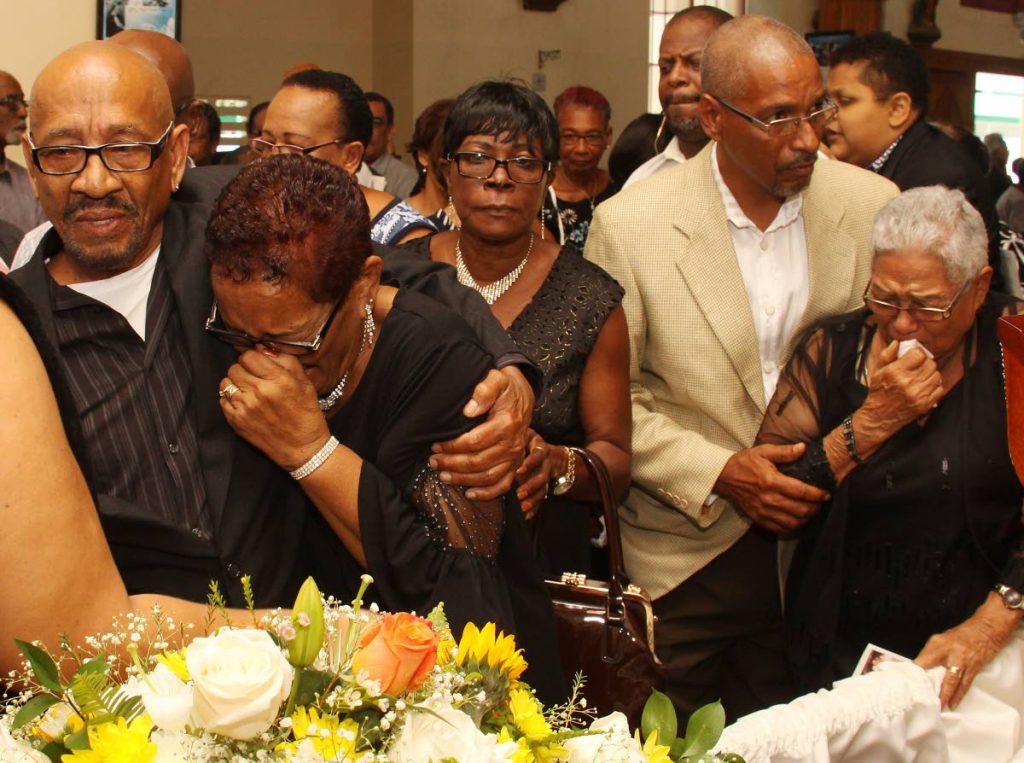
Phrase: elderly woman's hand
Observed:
(969, 647)
(901, 390)
(275, 408)
(486, 457)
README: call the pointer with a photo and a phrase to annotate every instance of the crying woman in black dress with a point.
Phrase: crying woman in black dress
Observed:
(902, 407)
(346, 383)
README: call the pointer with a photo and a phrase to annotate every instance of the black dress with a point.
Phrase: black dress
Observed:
(575, 216)
(914, 539)
(558, 330)
(424, 542)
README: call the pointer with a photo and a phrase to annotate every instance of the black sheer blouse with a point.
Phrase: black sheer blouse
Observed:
(913, 540)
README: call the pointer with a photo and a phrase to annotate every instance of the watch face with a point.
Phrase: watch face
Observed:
(1013, 599)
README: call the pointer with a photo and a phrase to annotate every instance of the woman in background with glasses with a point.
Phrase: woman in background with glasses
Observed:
(346, 384)
(584, 132)
(902, 407)
(500, 142)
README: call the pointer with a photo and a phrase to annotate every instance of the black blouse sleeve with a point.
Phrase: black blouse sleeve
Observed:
(425, 542)
(795, 411)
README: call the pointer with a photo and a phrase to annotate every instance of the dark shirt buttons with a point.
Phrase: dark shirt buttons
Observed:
(234, 571)
(173, 448)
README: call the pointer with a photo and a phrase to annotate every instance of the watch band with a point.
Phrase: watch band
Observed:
(563, 484)
(1011, 597)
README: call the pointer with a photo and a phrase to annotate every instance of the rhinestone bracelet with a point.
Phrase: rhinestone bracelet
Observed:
(317, 460)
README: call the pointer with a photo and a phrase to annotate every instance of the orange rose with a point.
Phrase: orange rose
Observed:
(399, 651)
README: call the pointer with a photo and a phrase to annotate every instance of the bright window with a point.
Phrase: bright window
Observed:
(999, 107)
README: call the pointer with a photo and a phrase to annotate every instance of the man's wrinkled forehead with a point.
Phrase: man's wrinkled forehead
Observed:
(9, 86)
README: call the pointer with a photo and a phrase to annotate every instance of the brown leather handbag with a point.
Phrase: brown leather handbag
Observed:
(606, 630)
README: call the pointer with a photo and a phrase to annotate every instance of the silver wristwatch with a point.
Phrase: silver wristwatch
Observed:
(1011, 598)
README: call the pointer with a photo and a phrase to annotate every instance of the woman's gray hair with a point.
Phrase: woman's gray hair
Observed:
(939, 221)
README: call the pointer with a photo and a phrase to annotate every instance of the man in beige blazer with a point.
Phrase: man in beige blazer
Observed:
(699, 523)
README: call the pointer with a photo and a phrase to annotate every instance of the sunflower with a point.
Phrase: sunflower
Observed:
(489, 650)
(120, 742)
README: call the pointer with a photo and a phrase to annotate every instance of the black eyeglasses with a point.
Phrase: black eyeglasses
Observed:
(240, 339)
(788, 126)
(919, 314)
(136, 156)
(14, 103)
(265, 147)
(520, 169)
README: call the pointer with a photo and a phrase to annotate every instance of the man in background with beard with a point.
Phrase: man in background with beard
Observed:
(725, 259)
(679, 56)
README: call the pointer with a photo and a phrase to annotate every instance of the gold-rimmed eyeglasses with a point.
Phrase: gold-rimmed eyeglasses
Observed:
(918, 313)
(788, 126)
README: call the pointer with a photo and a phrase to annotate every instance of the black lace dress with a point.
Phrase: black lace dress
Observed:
(914, 539)
(557, 330)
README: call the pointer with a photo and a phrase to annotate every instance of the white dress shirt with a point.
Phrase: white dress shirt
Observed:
(670, 157)
(775, 272)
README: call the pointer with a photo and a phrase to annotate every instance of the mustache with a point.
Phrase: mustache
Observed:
(87, 204)
(675, 100)
(804, 159)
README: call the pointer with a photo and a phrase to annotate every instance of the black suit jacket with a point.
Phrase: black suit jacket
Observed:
(10, 237)
(258, 513)
(927, 156)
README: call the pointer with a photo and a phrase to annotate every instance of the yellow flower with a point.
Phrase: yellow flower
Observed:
(119, 742)
(528, 716)
(655, 753)
(176, 662)
(487, 648)
(308, 728)
(57, 722)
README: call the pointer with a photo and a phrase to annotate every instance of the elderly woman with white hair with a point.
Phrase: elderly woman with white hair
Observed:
(901, 404)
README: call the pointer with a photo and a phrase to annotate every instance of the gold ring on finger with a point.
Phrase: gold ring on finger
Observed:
(954, 670)
(230, 390)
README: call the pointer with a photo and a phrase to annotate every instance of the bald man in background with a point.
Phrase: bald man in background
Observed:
(725, 259)
(18, 205)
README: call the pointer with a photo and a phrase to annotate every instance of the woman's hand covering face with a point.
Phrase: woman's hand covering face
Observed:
(902, 390)
(275, 409)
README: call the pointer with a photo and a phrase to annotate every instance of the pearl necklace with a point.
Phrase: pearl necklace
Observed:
(491, 292)
(328, 402)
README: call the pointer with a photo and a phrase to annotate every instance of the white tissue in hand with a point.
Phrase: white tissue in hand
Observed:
(908, 344)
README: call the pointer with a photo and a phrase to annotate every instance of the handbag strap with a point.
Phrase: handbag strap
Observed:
(616, 572)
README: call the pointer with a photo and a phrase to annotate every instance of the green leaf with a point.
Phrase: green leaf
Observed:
(677, 748)
(703, 729)
(439, 619)
(95, 665)
(43, 666)
(312, 684)
(101, 701)
(659, 715)
(32, 709)
(55, 751)
(79, 740)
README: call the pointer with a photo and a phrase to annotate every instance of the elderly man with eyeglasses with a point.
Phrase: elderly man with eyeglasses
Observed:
(122, 290)
(18, 205)
(725, 259)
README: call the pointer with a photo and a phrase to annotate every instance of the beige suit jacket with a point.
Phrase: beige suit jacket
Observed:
(695, 370)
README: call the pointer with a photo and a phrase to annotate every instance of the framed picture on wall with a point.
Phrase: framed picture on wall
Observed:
(113, 16)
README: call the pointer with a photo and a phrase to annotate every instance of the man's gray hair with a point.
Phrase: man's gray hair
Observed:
(936, 220)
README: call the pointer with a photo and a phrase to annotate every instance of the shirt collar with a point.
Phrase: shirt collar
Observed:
(876, 166)
(788, 213)
(673, 152)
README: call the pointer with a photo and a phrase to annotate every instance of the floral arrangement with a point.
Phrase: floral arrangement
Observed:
(325, 682)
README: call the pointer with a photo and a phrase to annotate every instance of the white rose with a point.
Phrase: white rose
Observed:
(167, 699)
(612, 744)
(446, 734)
(13, 751)
(241, 678)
